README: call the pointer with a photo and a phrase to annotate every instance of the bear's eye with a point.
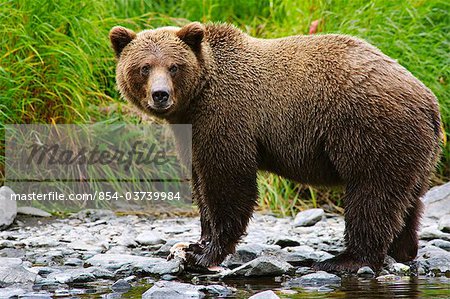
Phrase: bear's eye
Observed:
(173, 69)
(145, 70)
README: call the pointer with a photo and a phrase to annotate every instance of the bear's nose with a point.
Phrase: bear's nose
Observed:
(160, 96)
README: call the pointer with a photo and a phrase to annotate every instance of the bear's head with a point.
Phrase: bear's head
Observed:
(159, 70)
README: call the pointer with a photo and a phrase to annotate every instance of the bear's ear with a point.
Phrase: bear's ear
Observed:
(120, 37)
(192, 34)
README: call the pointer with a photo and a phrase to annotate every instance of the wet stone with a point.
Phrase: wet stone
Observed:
(171, 289)
(366, 272)
(121, 285)
(16, 275)
(265, 295)
(316, 279)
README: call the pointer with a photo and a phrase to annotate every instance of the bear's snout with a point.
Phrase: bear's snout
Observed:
(160, 98)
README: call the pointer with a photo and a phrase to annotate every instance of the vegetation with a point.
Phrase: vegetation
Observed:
(56, 65)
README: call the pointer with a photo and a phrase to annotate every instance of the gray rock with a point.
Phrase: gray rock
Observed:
(158, 266)
(432, 232)
(172, 289)
(17, 275)
(11, 292)
(10, 261)
(114, 261)
(308, 217)
(248, 252)
(434, 259)
(441, 244)
(100, 272)
(317, 279)
(388, 277)
(262, 266)
(400, 268)
(121, 286)
(36, 295)
(217, 290)
(80, 245)
(444, 223)
(71, 276)
(32, 211)
(305, 255)
(74, 262)
(150, 238)
(94, 214)
(365, 272)
(265, 295)
(8, 207)
(132, 264)
(437, 201)
(286, 241)
(303, 271)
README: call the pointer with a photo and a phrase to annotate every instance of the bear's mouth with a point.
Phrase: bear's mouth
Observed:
(160, 109)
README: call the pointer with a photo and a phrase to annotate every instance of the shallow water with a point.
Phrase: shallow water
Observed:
(351, 287)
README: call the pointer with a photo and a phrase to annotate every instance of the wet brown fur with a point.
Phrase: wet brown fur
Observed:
(321, 110)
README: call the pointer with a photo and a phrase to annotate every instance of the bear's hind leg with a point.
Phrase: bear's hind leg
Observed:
(405, 245)
(374, 215)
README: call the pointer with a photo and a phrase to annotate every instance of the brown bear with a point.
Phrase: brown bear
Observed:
(321, 110)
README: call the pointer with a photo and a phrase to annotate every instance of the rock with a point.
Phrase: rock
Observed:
(11, 292)
(444, 223)
(400, 268)
(36, 295)
(133, 264)
(248, 252)
(303, 271)
(365, 272)
(437, 201)
(441, 244)
(100, 273)
(8, 207)
(217, 290)
(171, 289)
(71, 276)
(121, 286)
(94, 214)
(388, 277)
(432, 232)
(305, 255)
(434, 259)
(262, 266)
(150, 238)
(80, 245)
(316, 279)
(74, 262)
(10, 262)
(286, 241)
(265, 295)
(308, 217)
(16, 275)
(31, 211)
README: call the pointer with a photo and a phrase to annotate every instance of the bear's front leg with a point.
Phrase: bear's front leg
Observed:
(228, 193)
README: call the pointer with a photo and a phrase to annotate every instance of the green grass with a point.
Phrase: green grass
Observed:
(56, 65)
